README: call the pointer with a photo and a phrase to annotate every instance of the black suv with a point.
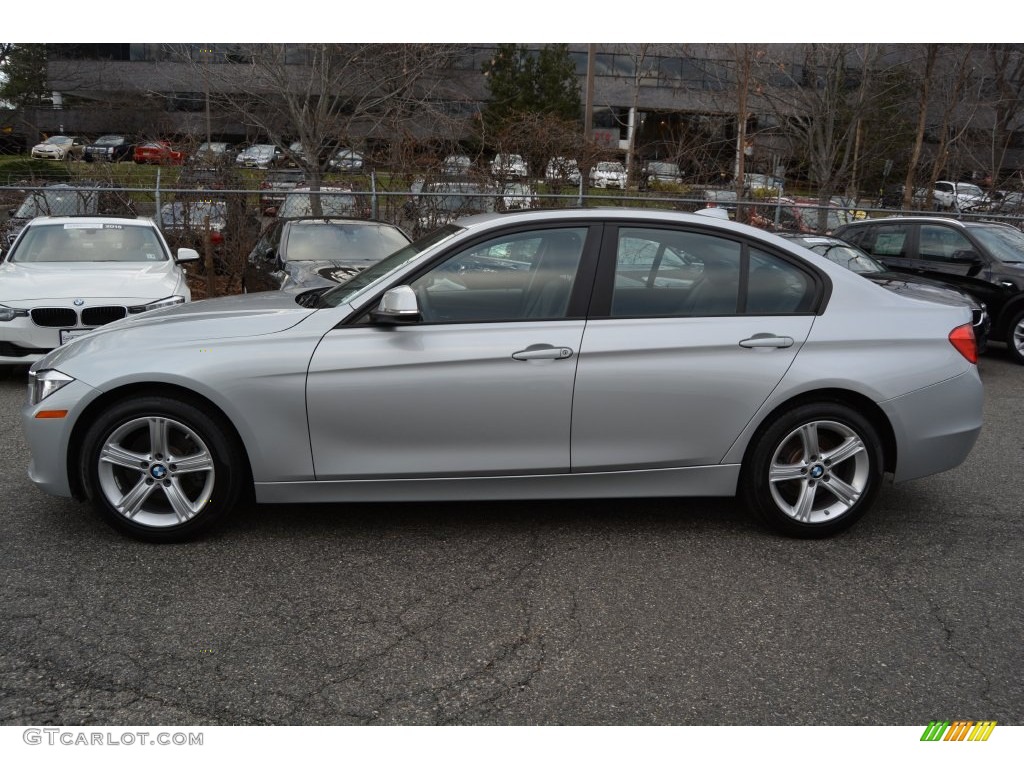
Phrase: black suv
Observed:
(983, 258)
(111, 148)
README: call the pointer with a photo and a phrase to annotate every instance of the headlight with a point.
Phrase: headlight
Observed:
(170, 301)
(42, 384)
(7, 314)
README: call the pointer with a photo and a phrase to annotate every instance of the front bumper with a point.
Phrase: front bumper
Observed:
(49, 438)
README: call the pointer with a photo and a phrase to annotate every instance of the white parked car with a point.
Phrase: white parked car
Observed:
(608, 173)
(563, 169)
(59, 148)
(347, 160)
(258, 156)
(67, 275)
(954, 196)
(456, 165)
(506, 166)
(518, 196)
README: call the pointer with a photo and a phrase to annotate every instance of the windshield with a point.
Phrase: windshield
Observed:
(297, 205)
(60, 140)
(348, 241)
(52, 202)
(175, 214)
(460, 203)
(109, 141)
(348, 290)
(847, 256)
(87, 242)
(1003, 243)
(834, 217)
(969, 189)
(610, 167)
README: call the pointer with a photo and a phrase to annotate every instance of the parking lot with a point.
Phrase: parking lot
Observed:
(590, 612)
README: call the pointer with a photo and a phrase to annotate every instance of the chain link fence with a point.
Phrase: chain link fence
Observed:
(225, 209)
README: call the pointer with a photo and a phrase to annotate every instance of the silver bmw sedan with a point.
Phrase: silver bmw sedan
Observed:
(539, 354)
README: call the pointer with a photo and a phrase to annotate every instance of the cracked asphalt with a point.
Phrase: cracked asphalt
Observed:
(630, 612)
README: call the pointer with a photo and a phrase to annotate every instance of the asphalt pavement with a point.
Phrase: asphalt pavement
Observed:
(612, 612)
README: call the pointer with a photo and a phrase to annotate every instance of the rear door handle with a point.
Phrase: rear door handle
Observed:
(542, 352)
(761, 340)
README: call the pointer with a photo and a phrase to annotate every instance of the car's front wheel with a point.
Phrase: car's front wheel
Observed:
(160, 469)
(1015, 337)
(814, 471)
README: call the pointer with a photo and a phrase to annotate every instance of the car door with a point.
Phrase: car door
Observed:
(673, 366)
(481, 385)
(947, 254)
(894, 244)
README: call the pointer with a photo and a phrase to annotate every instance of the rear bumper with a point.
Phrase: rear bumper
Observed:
(936, 427)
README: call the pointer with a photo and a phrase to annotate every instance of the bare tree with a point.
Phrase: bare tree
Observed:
(930, 56)
(955, 111)
(326, 95)
(643, 70)
(1006, 73)
(822, 92)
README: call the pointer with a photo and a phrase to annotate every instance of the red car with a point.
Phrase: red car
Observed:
(158, 153)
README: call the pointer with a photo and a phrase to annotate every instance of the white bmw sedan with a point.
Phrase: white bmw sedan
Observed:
(544, 354)
(66, 276)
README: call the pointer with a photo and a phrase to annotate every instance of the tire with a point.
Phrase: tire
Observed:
(814, 471)
(1015, 338)
(141, 487)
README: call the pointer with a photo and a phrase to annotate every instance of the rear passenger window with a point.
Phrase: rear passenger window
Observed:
(667, 273)
(671, 273)
(888, 240)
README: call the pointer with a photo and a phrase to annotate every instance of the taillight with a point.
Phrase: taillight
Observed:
(962, 337)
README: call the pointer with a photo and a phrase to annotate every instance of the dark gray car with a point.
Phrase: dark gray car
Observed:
(906, 284)
(297, 254)
(982, 258)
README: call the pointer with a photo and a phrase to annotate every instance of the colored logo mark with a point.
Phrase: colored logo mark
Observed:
(958, 730)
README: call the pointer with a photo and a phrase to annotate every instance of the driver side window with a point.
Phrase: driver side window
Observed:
(522, 276)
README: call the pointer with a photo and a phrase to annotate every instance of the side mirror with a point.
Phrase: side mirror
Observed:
(269, 254)
(398, 305)
(186, 254)
(966, 256)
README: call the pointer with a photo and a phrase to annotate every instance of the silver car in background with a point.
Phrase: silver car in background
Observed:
(541, 354)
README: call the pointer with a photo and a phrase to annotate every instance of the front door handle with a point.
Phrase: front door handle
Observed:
(542, 352)
(762, 340)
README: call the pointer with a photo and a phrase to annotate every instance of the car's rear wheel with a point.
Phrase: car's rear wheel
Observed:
(814, 471)
(1015, 337)
(160, 469)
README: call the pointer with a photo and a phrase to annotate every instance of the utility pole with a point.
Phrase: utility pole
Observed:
(588, 108)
